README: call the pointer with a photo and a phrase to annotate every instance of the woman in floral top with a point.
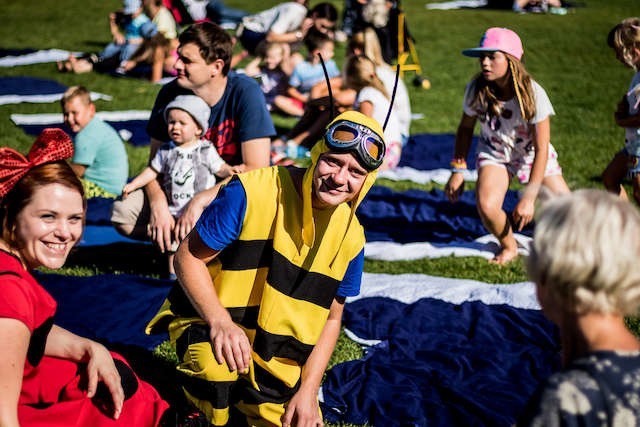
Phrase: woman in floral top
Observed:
(584, 263)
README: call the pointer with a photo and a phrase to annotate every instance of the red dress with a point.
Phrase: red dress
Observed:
(52, 393)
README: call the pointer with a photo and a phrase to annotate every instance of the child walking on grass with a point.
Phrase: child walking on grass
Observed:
(188, 164)
(624, 38)
(514, 112)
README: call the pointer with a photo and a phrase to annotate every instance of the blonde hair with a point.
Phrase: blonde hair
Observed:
(624, 37)
(272, 46)
(76, 92)
(368, 43)
(486, 100)
(360, 72)
(585, 251)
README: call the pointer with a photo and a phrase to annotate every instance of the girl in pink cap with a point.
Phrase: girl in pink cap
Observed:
(514, 112)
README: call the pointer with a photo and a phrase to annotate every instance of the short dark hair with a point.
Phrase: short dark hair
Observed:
(213, 42)
(316, 40)
(325, 11)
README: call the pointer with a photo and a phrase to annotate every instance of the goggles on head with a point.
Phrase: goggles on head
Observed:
(345, 136)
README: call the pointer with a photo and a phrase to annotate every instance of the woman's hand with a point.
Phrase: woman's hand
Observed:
(302, 410)
(101, 368)
(231, 345)
(454, 187)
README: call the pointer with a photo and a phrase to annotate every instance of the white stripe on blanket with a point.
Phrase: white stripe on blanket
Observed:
(56, 118)
(38, 57)
(51, 97)
(440, 176)
(409, 288)
(485, 247)
(457, 4)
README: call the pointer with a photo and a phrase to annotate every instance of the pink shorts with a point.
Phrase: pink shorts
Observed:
(392, 155)
(520, 166)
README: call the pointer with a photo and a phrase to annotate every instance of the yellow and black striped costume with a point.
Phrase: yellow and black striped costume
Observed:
(278, 281)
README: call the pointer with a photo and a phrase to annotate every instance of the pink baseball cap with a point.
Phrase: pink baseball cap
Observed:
(494, 39)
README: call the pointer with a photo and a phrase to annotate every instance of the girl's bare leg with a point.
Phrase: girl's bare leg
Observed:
(492, 186)
(614, 174)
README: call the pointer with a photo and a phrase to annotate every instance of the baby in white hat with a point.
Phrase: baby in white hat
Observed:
(187, 165)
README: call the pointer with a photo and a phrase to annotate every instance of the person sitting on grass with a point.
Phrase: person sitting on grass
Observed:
(309, 72)
(263, 279)
(239, 126)
(129, 27)
(584, 262)
(48, 375)
(305, 76)
(99, 157)
(188, 164)
(267, 69)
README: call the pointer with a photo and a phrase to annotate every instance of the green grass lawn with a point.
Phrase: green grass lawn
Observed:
(567, 55)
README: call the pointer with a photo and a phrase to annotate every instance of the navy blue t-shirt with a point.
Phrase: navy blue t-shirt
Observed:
(221, 223)
(240, 115)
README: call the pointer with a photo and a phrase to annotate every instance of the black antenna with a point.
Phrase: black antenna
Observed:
(326, 77)
(393, 97)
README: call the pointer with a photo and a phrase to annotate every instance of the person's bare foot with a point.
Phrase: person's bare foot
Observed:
(64, 66)
(506, 255)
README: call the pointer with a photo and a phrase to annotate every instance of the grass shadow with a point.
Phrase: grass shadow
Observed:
(123, 258)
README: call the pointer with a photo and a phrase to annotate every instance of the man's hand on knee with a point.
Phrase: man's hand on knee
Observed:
(230, 345)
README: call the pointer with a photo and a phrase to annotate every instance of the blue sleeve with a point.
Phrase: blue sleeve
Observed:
(253, 116)
(332, 69)
(294, 79)
(221, 222)
(350, 285)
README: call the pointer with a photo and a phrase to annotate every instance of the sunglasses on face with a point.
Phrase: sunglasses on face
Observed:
(346, 136)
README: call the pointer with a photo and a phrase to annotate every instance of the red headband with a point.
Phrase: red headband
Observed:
(51, 145)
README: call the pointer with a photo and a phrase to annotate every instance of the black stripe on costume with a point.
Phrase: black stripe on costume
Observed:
(272, 390)
(246, 255)
(269, 345)
(298, 283)
(217, 393)
(283, 275)
(181, 306)
(193, 334)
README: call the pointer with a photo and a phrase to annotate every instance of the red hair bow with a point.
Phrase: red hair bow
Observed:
(51, 145)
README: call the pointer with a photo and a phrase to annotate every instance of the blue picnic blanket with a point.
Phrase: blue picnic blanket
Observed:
(420, 216)
(440, 363)
(108, 308)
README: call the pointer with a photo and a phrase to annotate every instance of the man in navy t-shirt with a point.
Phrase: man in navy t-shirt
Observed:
(240, 127)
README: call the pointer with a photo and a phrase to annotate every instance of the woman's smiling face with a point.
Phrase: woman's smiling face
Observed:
(49, 226)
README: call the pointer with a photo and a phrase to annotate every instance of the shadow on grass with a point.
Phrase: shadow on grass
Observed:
(127, 258)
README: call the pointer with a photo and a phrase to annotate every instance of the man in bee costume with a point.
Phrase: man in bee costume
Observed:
(263, 279)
